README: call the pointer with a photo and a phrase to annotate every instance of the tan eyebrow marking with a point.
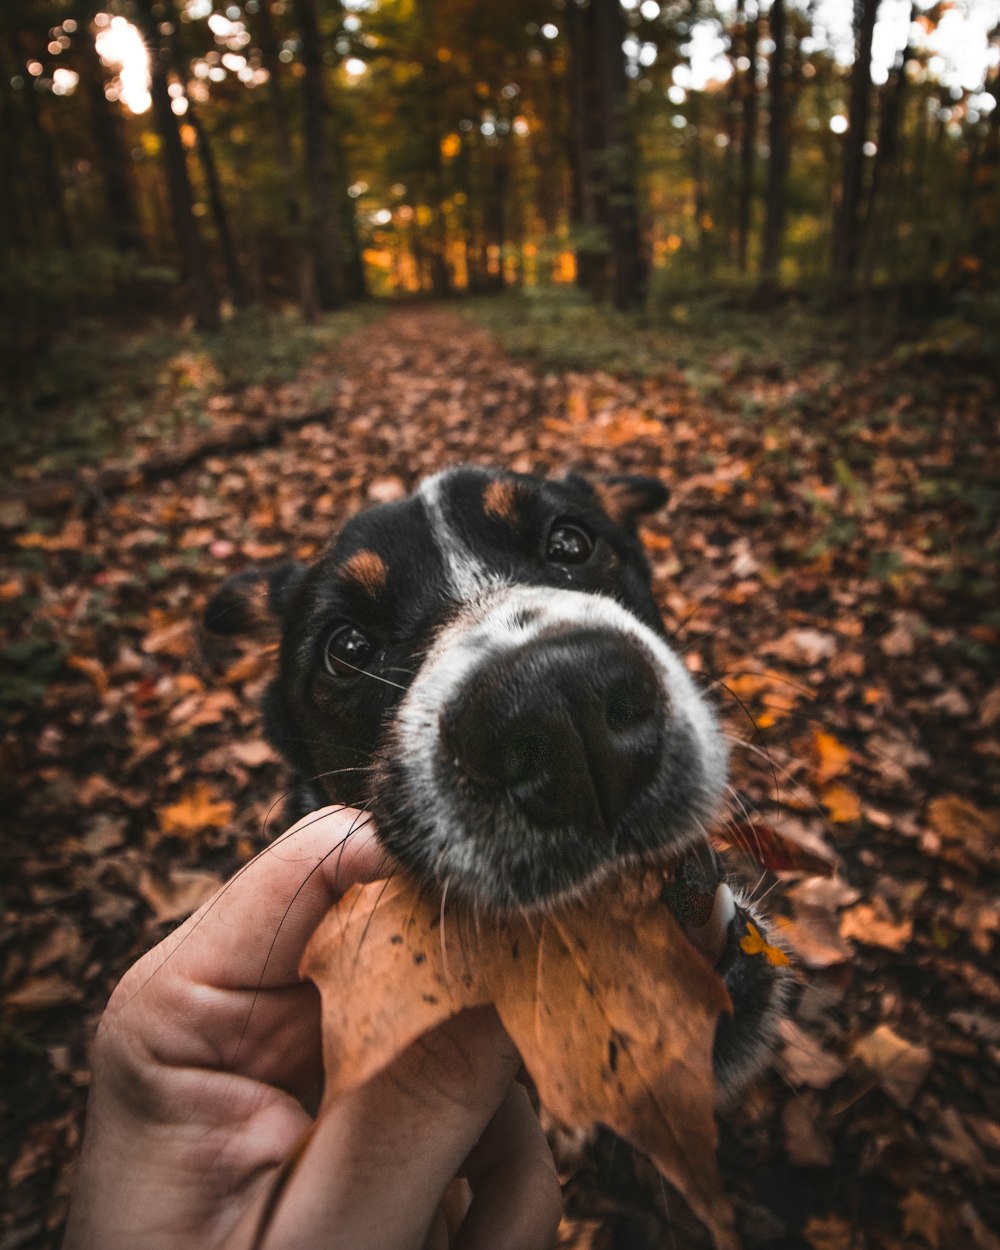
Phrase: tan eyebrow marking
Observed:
(500, 500)
(366, 569)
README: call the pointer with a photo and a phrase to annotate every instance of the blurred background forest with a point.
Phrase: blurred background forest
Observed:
(197, 156)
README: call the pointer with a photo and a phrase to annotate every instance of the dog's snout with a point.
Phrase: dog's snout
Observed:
(568, 727)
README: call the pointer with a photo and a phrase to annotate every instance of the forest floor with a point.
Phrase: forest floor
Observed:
(825, 564)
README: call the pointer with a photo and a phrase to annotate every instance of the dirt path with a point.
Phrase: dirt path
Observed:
(134, 759)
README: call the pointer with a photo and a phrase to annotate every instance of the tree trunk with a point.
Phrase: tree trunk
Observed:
(234, 273)
(44, 157)
(300, 259)
(604, 156)
(111, 154)
(189, 239)
(848, 232)
(878, 215)
(748, 145)
(777, 138)
(324, 224)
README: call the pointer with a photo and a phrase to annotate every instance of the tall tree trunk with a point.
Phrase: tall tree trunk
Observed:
(44, 157)
(878, 216)
(301, 261)
(234, 273)
(189, 239)
(777, 138)
(111, 154)
(324, 222)
(748, 143)
(604, 155)
(848, 232)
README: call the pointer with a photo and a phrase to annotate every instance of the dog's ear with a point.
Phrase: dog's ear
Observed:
(252, 602)
(626, 496)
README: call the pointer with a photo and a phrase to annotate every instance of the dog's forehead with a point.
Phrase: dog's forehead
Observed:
(455, 536)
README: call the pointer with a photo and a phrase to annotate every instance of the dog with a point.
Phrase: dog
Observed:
(483, 667)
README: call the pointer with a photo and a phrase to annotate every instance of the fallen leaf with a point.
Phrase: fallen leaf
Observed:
(90, 668)
(176, 897)
(776, 850)
(831, 1232)
(252, 753)
(872, 925)
(806, 1145)
(176, 639)
(832, 757)
(41, 993)
(922, 1218)
(198, 809)
(802, 647)
(612, 1010)
(842, 804)
(805, 1060)
(900, 1067)
(956, 820)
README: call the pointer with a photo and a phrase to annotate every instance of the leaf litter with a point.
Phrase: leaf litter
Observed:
(858, 656)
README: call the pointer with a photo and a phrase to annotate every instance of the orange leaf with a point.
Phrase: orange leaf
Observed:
(842, 804)
(613, 1011)
(832, 757)
(197, 810)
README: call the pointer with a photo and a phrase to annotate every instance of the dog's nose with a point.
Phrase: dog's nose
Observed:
(567, 726)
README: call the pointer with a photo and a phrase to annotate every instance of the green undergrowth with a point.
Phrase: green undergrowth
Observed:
(711, 333)
(104, 390)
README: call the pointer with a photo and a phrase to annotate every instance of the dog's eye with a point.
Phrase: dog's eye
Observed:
(568, 544)
(346, 651)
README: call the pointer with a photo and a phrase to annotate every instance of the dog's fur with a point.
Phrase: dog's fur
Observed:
(483, 666)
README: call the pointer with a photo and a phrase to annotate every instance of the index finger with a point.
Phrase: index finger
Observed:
(251, 934)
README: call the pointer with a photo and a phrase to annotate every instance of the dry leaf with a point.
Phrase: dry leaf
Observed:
(842, 804)
(805, 1060)
(899, 1066)
(802, 647)
(832, 757)
(871, 924)
(778, 851)
(198, 809)
(612, 1010)
(956, 820)
(179, 895)
(41, 993)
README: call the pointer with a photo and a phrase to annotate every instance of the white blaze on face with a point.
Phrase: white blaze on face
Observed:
(510, 618)
(468, 577)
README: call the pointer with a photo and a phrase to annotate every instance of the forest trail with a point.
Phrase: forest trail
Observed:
(808, 592)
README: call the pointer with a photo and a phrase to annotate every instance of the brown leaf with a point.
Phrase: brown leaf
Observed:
(175, 638)
(805, 1060)
(778, 851)
(899, 1066)
(956, 820)
(802, 647)
(871, 924)
(612, 1010)
(181, 893)
(40, 993)
(252, 753)
(922, 1218)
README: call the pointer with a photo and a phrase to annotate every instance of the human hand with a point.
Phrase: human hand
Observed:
(207, 1075)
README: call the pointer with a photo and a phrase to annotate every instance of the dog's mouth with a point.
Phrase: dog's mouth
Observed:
(700, 899)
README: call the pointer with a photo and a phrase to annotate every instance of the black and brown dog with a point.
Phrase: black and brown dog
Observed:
(483, 667)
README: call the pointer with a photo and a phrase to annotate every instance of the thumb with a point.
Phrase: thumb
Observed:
(381, 1157)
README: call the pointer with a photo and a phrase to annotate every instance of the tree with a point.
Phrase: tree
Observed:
(609, 260)
(848, 223)
(324, 223)
(777, 141)
(158, 37)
